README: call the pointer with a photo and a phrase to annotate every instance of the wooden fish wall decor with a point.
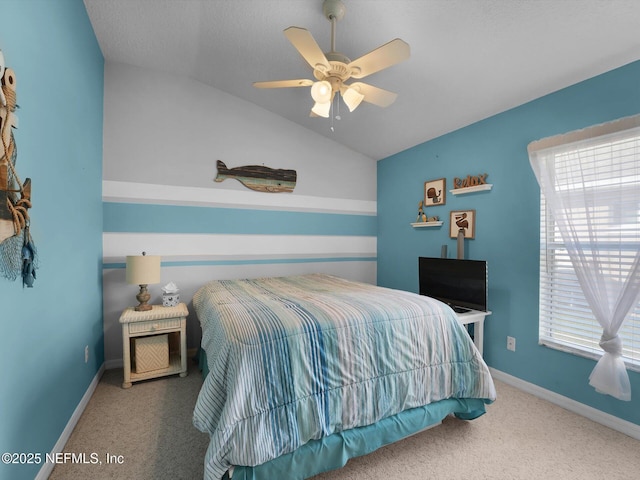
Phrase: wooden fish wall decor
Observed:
(17, 253)
(259, 177)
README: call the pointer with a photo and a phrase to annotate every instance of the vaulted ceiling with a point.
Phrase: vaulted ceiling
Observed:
(470, 59)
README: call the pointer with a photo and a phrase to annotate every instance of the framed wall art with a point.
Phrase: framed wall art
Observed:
(465, 220)
(435, 192)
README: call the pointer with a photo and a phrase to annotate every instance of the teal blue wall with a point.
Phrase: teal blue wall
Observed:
(127, 217)
(507, 230)
(59, 71)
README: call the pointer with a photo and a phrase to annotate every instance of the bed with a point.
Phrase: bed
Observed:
(305, 372)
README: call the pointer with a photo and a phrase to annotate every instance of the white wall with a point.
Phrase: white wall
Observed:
(170, 130)
(162, 137)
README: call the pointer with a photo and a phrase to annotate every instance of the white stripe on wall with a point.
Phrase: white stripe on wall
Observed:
(131, 192)
(119, 245)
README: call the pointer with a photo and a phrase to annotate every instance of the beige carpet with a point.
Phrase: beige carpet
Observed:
(521, 437)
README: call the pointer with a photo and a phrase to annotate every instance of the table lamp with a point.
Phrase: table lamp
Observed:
(143, 270)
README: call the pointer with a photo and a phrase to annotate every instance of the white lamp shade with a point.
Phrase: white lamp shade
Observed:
(321, 92)
(143, 269)
(322, 109)
(352, 98)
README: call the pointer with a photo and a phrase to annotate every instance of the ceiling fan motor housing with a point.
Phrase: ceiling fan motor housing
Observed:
(338, 73)
(333, 9)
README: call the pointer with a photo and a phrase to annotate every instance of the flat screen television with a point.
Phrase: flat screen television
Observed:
(461, 284)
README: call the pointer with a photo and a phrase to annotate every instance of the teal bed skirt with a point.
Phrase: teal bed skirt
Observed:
(332, 452)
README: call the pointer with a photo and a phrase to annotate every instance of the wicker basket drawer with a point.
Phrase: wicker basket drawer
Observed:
(154, 325)
(151, 353)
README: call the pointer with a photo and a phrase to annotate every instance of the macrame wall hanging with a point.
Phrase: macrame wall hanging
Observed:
(17, 251)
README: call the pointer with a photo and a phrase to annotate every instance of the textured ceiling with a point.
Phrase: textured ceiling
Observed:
(470, 59)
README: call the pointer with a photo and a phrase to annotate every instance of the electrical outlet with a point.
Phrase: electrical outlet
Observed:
(511, 344)
(86, 354)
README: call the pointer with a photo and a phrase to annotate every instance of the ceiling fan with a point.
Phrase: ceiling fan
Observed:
(333, 69)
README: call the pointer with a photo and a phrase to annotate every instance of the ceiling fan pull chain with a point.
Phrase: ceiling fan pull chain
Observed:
(331, 115)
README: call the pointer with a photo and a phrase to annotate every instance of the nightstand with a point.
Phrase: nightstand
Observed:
(158, 341)
(475, 317)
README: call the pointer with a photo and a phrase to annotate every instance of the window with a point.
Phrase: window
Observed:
(609, 168)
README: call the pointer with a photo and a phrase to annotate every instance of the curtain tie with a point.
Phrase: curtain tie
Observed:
(612, 345)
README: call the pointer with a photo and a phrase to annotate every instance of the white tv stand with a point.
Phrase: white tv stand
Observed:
(476, 317)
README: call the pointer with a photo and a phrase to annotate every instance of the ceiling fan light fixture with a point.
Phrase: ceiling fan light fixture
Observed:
(321, 92)
(322, 109)
(352, 98)
(332, 69)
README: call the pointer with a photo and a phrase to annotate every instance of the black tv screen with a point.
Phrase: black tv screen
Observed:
(461, 284)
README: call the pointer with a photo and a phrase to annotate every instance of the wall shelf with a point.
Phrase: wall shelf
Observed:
(426, 224)
(476, 188)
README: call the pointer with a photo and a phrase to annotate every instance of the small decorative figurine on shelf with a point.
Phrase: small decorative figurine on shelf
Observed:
(421, 216)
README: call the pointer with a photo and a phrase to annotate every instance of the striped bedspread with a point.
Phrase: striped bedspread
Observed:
(297, 358)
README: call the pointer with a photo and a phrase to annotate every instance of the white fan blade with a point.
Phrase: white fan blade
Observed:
(308, 48)
(382, 57)
(302, 82)
(375, 95)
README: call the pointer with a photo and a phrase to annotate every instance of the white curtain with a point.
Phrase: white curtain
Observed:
(591, 183)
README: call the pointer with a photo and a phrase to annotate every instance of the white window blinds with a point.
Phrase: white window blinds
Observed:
(566, 321)
(590, 247)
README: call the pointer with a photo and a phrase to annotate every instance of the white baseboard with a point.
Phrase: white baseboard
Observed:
(47, 467)
(598, 416)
